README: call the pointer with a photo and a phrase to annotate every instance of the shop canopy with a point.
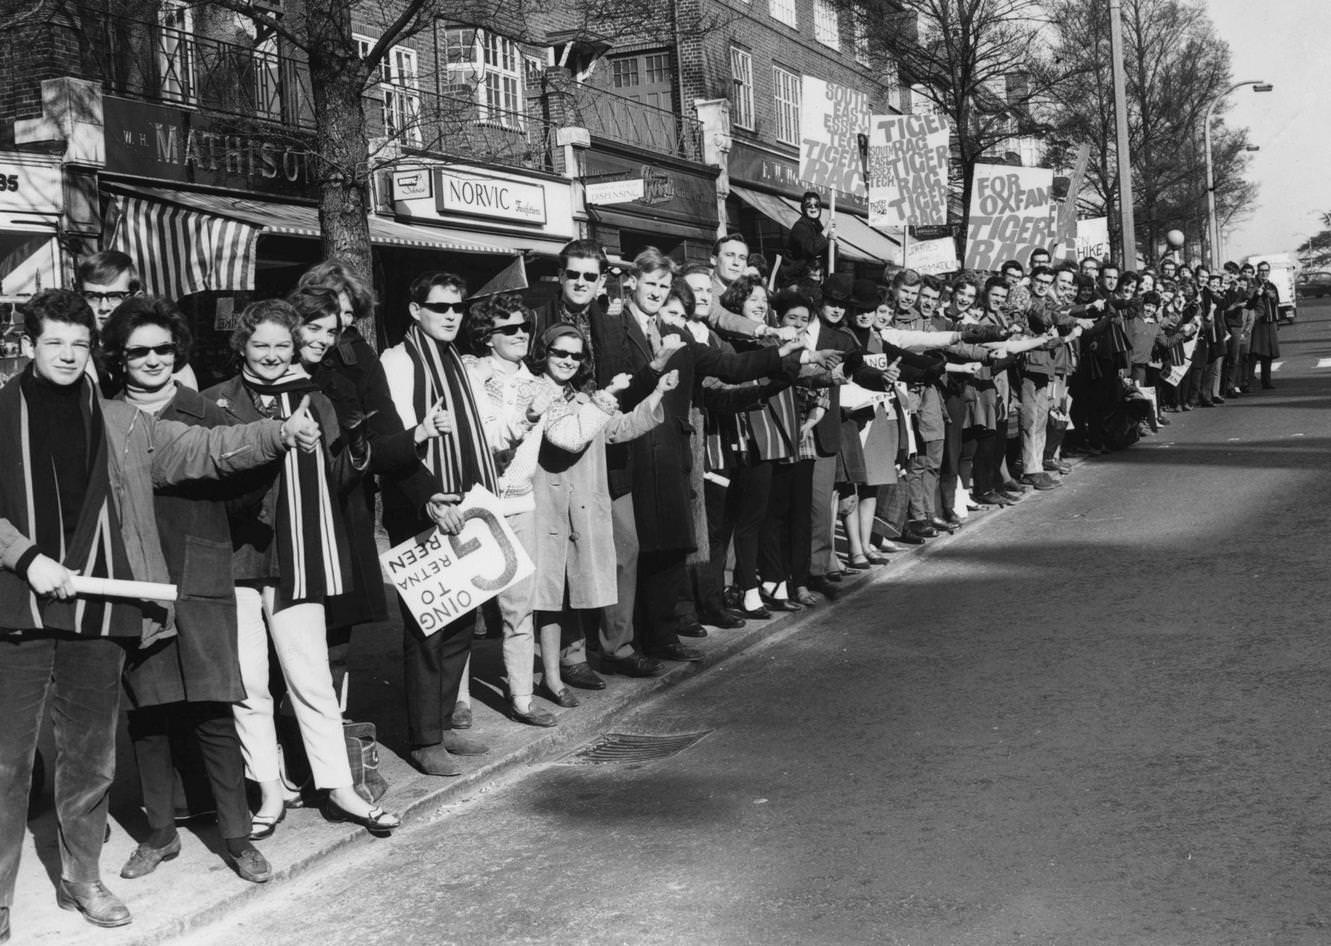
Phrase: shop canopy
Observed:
(185, 242)
(856, 240)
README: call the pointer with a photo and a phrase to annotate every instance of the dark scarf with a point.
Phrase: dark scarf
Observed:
(312, 551)
(88, 540)
(459, 460)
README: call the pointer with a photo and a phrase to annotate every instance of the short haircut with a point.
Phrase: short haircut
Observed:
(334, 275)
(483, 313)
(652, 260)
(928, 281)
(57, 305)
(106, 267)
(697, 269)
(738, 292)
(1012, 264)
(1042, 271)
(732, 237)
(1151, 298)
(277, 311)
(584, 249)
(1036, 251)
(995, 282)
(961, 282)
(680, 290)
(425, 282)
(136, 312)
(315, 302)
(789, 298)
(1107, 266)
(905, 277)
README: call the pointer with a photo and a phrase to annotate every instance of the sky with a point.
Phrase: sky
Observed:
(1286, 43)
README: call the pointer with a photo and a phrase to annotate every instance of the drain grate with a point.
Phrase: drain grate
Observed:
(618, 747)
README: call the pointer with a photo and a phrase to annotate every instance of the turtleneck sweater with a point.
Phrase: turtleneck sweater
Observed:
(59, 446)
(150, 402)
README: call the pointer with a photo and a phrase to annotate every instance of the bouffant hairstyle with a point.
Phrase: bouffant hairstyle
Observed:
(277, 311)
(484, 312)
(333, 275)
(738, 292)
(540, 356)
(136, 312)
(315, 302)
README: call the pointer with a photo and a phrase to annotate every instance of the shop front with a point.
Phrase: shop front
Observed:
(635, 200)
(31, 198)
(764, 204)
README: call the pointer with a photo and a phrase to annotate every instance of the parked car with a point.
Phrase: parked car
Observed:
(1314, 285)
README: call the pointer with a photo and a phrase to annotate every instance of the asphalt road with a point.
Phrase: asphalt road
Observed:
(1099, 717)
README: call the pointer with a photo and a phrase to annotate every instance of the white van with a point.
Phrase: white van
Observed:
(1284, 270)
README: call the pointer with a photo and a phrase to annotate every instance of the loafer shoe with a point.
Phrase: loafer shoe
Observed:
(944, 525)
(758, 614)
(1014, 486)
(461, 718)
(564, 697)
(458, 744)
(435, 760)
(922, 528)
(251, 866)
(581, 676)
(908, 537)
(1040, 481)
(145, 858)
(692, 630)
(99, 906)
(535, 716)
(634, 665)
(726, 620)
(678, 651)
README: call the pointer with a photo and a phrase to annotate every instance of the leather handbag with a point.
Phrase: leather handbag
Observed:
(363, 754)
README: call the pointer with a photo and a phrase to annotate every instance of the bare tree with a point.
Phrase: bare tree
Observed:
(1175, 65)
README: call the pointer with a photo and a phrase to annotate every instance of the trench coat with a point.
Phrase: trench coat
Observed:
(200, 663)
(575, 543)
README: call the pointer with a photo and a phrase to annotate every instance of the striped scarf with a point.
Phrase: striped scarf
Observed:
(461, 459)
(30, 501)
(312, 551)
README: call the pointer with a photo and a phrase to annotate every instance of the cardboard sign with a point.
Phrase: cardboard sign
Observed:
(1093, 238)
(934, 256)
(1011, 213)
(908, 170)
(441, 577)
(832, 118)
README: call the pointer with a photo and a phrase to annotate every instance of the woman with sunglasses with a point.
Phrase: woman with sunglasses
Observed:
(575, 544)
(182, 687)
(500, 329)
(291, 555)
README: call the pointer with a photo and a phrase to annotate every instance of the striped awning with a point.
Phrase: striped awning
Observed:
(188, 241)
(179, 250)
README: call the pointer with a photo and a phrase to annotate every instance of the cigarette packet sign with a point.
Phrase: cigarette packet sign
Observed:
(441, 577)
(908, 170)
(1011, 213)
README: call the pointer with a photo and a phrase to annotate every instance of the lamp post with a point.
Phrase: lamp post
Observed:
(1212, 224)
(1127, 222)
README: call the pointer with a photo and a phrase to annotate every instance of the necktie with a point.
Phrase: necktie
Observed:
(653, 336)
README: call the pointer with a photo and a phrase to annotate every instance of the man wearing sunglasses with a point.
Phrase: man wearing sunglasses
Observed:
(107, 279)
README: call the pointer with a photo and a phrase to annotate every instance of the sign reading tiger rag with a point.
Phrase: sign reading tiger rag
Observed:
(832, 118)
(1011, 212)
(441, 577)
(908, 166)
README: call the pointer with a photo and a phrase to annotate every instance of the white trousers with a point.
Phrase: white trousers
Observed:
(298, 636)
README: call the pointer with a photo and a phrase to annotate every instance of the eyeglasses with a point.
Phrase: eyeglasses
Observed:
(140, 352)
(575, 275)
(565, 353)
(511, 330)
(442, 308)
(93, 298)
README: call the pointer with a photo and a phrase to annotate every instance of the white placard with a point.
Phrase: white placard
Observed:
(441, 577)
(616, 192)
(934, 256)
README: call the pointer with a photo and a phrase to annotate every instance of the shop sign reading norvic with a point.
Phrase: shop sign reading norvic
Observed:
(29, 186)
(481, 196)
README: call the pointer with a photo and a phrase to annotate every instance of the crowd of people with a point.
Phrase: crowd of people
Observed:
(671, 461)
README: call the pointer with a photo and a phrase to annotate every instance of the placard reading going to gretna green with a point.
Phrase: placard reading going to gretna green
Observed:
(441, 577)
(832, 118)
(908, 166)
(1011, 212)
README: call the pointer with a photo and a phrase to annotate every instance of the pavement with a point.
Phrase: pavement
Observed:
(184, 896)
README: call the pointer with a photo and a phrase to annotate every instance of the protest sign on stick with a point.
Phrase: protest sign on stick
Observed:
(908, 170)
(832, 117)
(1010, 212)
(441, 577)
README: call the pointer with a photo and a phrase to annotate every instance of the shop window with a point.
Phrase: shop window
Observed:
(398, 91)
(783, 10)
(826, 24)
(741, 80)
(786, 94)
(176, 53)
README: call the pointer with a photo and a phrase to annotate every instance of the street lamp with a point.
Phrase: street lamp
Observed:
(1212, 224)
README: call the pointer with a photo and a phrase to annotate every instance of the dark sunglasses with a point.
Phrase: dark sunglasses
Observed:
(512, 330)
(92, 298)
(574, 275)
(565, 353)
(140, 352)
(442, 308)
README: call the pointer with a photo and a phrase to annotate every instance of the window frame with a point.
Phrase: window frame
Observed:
(741, 89)
(784, 11)
(175, 52)
(827, 24)
(397, 89)
(787, 108)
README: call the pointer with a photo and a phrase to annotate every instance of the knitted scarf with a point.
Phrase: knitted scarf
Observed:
(30, 500)
(312, 550)
(461, 459)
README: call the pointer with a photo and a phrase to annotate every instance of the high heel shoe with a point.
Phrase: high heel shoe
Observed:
(377, 822)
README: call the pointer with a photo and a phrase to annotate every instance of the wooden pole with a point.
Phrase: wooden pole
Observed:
(831, 229)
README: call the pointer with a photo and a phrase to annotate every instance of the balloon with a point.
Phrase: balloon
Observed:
(1175, 238)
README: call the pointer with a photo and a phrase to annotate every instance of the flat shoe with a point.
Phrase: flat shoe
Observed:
(875, 559)
(458, 744)
(435, 760)
(758, 614)
(462, 716)
(99, 906)
(634, 665)
(860, 563)
(581, 676)
(692, 630)
(263, 826)
(833, 577)
(678, 651)
(377, 821)
(563, 698)
(145, 858)
(533, 717)
(251, 866)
